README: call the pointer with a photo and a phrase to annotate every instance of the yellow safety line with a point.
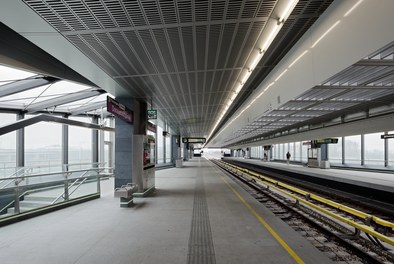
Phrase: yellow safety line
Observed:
(361, 227)
(265, 224)
(339, 206)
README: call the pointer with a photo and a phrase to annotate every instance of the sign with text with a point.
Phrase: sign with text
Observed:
(193, 140)
(152, 114)
(119, 110)
(318, 142)
(387, 136)
(151, 127)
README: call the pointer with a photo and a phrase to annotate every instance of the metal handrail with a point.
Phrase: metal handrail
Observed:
(72, 184)
(56, 182)
(57, 173)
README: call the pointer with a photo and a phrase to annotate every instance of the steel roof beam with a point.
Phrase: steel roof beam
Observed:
(48, 118)
(61, 100)
(25, 84)
(89, 107)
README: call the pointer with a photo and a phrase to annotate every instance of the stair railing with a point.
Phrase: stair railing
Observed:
(20, 190)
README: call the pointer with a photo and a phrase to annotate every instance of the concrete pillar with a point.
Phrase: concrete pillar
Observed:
(123, 147)
(324, 152)
(174, 149)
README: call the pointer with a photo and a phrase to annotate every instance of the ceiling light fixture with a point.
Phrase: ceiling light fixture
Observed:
(325, 33)
(288, 10)
(353, 7)
(299, 57)
(280, 75)
(274, 31)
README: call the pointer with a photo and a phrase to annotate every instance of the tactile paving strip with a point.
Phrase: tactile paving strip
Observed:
(201, 248)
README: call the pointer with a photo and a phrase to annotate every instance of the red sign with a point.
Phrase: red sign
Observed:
(119, 110)
(151, 127)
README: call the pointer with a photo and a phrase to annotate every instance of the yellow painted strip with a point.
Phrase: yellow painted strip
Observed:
(265, 224)
(341, 207)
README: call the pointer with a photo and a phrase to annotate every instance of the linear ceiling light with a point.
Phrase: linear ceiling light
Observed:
(274, 31)
(353, 7)
(325, 33)
(299, 57)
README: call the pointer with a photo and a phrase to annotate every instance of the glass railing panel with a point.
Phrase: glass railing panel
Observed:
(83, 187)
(30, 191)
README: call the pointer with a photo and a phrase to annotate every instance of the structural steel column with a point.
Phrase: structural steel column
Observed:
(386, 151)
(95, 150)
(65, 146)
(20, 144)
(362, 150)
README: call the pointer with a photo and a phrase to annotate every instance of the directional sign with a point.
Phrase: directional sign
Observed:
(326, 141)
(387, 136)
(152, 114)
(193, 140)
(318, 142)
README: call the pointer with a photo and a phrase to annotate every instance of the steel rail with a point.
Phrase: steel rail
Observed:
(275, 185)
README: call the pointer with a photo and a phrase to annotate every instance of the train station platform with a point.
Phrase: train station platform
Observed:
(197, 215)
(373, 180)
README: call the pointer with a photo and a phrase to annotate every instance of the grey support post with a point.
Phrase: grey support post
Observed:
(95, 142)
(65, 146)
(20, 144)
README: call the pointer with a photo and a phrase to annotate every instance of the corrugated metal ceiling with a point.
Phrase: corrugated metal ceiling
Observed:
(183, 55)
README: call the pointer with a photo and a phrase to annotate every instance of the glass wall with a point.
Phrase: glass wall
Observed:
(291, 150)
(374, 149)
(43, 145)
(7, 147)
(390, 151)
(168, 149)
(160, 145)
(304, 153)
(256, 152)
(372, 145)
(80, 143)
(297, 151)
(353, 150)
(335, 152)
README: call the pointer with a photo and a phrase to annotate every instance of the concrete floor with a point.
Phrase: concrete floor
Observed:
(194, 217)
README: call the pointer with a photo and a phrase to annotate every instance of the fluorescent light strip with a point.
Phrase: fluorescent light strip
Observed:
(325, 33)
(353, 7)
(299, 57)
(288, 10)
(280, 75)
(270, 37)
(256, 60)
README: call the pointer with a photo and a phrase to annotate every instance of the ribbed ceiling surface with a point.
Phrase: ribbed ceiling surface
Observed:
(184, 56)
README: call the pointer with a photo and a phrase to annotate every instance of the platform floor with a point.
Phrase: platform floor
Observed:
(197, 215)
(375, 180)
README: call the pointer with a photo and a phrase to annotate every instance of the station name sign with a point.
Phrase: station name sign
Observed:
(119, 110)
(193, 140)
(318, 142)
(387, 136)
(152, 127)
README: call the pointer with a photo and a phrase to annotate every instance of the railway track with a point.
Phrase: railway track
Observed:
(345, 234)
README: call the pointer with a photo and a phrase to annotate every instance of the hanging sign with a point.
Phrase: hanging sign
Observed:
(151, 127)
(387, 136)
(119, 110)
(152, 114)
(193, 140)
